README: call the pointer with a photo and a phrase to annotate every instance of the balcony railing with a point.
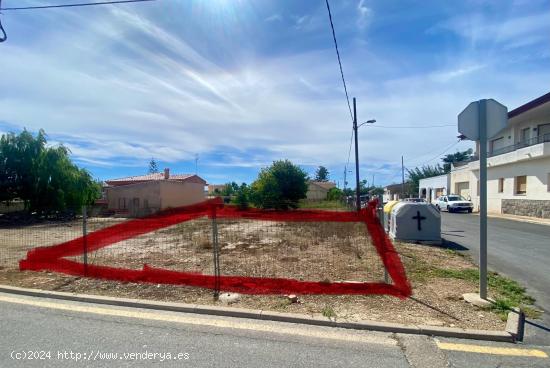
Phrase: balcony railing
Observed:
(513, 147)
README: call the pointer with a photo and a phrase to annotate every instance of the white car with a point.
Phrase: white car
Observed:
(454, 203)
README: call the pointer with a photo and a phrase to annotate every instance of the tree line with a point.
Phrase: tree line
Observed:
(427, 171)
(42, 176)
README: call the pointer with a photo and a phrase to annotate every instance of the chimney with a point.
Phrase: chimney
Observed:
(166, 174)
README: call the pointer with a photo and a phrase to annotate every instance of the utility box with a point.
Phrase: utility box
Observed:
(387, 213)
(415, 222)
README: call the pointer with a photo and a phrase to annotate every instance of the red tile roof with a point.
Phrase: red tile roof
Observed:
(151, 177)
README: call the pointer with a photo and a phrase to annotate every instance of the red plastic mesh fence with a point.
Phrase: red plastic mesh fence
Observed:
(256, 251)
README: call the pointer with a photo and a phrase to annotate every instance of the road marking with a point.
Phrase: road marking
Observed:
(233, 323)
(492, 350)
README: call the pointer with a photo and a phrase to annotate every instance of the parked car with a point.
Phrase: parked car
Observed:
(454, 203)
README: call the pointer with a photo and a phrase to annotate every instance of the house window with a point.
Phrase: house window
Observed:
(478, 188)
(501, 185)
(496, 144)
(543, 131)
(521, 185)
(525, 135)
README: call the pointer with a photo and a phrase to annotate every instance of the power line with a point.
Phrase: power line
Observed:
(4, 35)
(349, 155)
(339, 60)
(76, 5)
(411, 126)
(440, 154)
(345, 86)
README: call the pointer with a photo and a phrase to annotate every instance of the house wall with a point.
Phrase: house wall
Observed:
(431, 188)
(460, 182)
(145, 198)
(537, 197)
(121, 198)
(316, 193)
(176, 194)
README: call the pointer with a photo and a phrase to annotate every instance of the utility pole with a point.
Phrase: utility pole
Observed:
(357, 190)
(402, 177)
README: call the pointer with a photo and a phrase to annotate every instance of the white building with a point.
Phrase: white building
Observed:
(431, 188)
(518, 164)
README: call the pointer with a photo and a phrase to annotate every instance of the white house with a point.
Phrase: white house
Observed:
(518, 175)
(431, 188)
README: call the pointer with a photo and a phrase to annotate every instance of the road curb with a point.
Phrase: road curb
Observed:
(509, 335)
(515, 324)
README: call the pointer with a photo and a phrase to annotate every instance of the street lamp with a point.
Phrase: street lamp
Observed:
(355, 128)
(367, 122)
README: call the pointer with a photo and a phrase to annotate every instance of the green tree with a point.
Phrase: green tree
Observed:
(335, 194)
(279, 186)
(229, 189)
(321, 174)
(427, 171)
(43, 177)
(153, 167)
(456, 157)
(242, 197)
(18, 153)
(377, 191)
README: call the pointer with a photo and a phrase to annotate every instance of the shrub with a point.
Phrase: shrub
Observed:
(280, 186)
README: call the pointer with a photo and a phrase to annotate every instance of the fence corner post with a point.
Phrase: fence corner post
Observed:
(216, 253)
(84, 239)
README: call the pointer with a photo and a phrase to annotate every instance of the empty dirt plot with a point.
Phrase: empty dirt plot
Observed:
(326, 251)
(304, 251)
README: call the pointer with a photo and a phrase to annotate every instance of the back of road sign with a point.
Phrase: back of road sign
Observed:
(469, 119)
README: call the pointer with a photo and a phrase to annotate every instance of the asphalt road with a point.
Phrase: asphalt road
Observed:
(71, 334)
(519, 250)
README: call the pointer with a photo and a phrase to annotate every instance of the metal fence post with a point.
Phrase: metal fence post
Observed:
(216, 254)
(84, 239)
(380, 213)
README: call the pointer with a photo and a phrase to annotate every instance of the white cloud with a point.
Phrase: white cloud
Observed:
(364, 15)
(458, 71)
(274, 18)
(515, 31)
(120, 89)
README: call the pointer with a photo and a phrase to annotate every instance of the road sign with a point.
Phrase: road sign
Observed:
(479, 121)
(469, 119)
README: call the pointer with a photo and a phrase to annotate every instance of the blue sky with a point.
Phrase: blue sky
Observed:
(242, 83)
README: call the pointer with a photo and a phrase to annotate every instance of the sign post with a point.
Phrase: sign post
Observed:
(482, 109)
(479, 121)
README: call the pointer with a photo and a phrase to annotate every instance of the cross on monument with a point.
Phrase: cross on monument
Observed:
(419, 219)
